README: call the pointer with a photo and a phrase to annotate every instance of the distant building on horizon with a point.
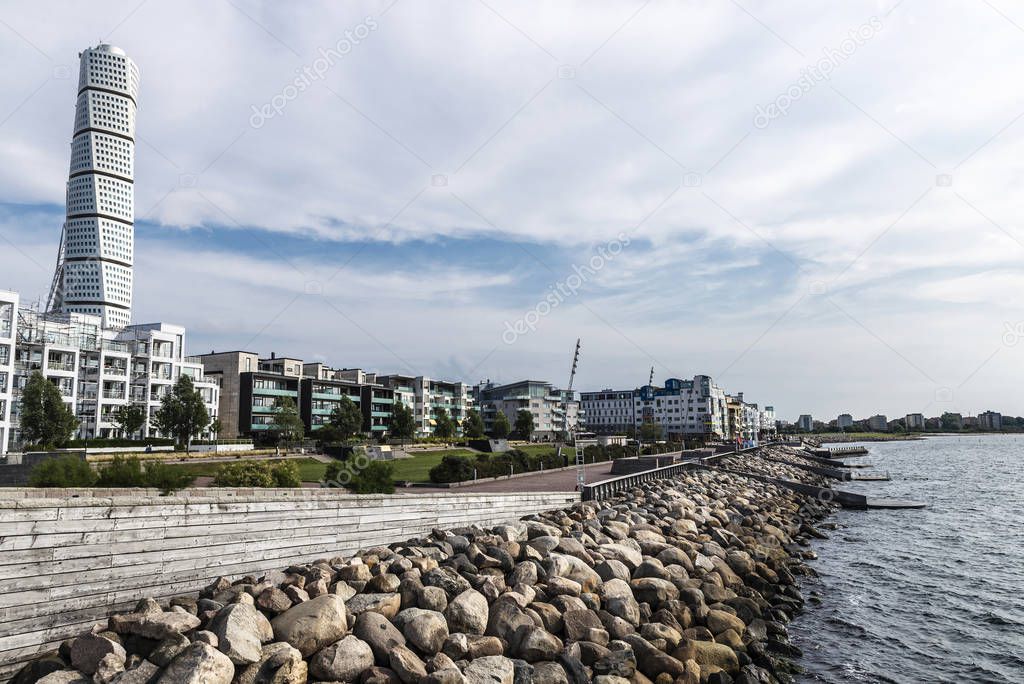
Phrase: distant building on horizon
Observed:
(845, 420)
(878, 423)
(97, 243)
(990, 420)
(915, 421)
(805, 422)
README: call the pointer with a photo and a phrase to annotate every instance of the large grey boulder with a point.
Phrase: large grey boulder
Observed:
(380, 634)
(425, 629)
(490, 670)
(467, 613)
(241, 632)
(199, 664)
(342, 661)
(313, 624)
(89, 649)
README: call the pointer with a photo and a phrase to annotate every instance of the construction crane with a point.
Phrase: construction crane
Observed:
(650, 380)
(580, 472)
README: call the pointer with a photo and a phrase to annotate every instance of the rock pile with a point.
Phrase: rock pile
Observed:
(687, 580)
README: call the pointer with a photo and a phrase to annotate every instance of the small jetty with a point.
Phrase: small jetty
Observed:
(872, 503)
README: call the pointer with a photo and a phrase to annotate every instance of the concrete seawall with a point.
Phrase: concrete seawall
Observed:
(76, 556)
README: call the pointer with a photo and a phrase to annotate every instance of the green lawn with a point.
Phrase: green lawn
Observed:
(310, 469)
(417, 468)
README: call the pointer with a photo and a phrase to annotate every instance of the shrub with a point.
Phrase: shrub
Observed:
(64, 471)
(375, 478)
(452, 469)
(121, 472)
(258, 474)
(286, 474)
(244, 474)
(166, 478)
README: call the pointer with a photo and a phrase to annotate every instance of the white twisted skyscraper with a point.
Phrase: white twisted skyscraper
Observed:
(94, 265)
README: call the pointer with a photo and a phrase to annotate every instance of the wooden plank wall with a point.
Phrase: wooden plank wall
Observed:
(71, 560)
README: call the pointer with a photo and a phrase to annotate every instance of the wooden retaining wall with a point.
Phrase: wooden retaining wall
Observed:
(73, 558)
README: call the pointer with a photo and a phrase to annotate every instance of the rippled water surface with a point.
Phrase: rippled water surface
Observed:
(932, 595)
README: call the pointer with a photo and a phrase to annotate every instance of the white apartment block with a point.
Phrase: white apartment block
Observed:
(94, 261)
(608, 411)
(426, 397)
(8, 321)
(684, 407)
(844, 420)
(553, 409)
(97, 369)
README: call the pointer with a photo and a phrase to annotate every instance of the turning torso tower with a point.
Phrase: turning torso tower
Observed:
(94, 265)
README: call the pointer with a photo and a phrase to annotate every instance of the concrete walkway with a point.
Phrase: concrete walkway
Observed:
(557, 481)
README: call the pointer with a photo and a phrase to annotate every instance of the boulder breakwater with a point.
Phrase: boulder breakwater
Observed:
(690, 579)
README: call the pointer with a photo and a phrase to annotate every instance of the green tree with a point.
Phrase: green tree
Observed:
(130, 418)
(473, 425)
(347, 418)
(65, 471)
(45, 419)
(500, 427)
(287, 422)
(650, 431)
(215, 428)
(403, 424)
(524, 424)
(444, 426)
(182, 413)
(375, 478)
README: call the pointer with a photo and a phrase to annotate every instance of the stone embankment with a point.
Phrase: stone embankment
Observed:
(686, 580)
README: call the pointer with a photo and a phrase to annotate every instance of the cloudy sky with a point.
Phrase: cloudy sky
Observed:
(817, 206)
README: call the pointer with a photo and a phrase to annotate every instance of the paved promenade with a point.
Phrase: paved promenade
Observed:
(557, 481)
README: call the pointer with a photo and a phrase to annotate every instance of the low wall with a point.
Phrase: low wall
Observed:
(76, 556)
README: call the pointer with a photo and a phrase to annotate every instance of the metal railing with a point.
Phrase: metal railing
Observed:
(612, 486)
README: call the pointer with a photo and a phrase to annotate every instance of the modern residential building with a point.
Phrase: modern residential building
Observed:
(990, 420)
(768, 425)
(684, 407)
(96, 253)
(609, 411)
(96, 369)
(844, 421)
(251, 386)
(551, 408)
(426, 397)
(805, 423)
(8, 321)
(914, 421)
(878, 423)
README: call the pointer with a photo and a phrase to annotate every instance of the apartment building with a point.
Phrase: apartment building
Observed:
(844, 421)
(878, 423)
(684, 407)
(914, 421)
(251, 385)
(990, 420)
(96, 369)
(551, 408)
(8, 320)
(805, 422)
(609, 411)
(426, 397)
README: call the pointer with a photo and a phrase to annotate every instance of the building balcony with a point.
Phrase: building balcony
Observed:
(114, 370)
(275, 392)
